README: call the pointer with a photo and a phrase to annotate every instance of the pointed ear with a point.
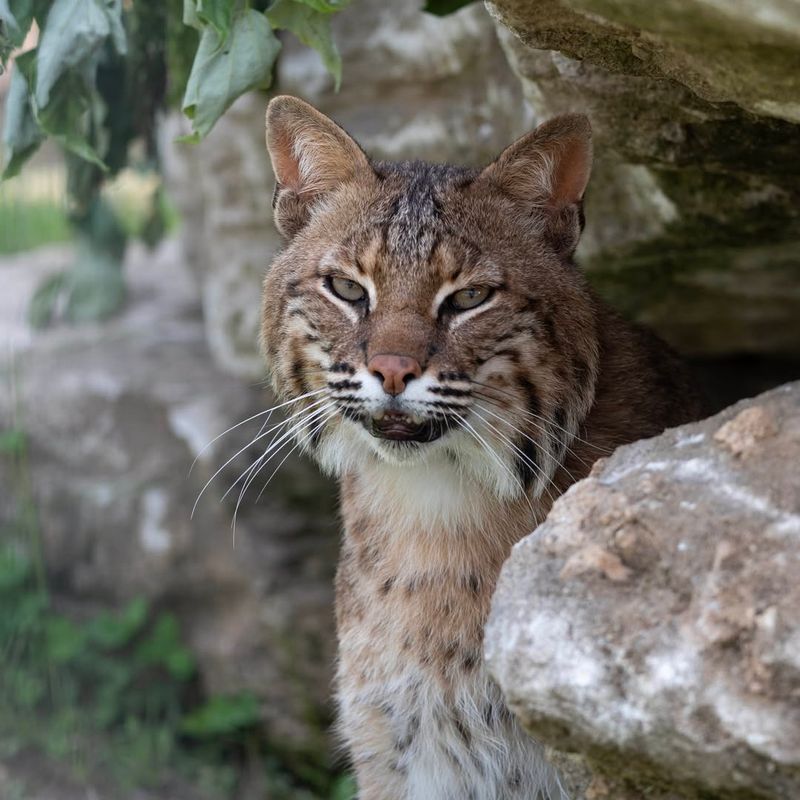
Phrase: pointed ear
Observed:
(546, 171)
(311, 155)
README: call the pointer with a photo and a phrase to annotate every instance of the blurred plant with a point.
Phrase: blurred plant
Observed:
(96, 81)
(117, 692)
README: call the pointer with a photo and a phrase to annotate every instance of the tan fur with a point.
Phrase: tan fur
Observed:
(526, 390)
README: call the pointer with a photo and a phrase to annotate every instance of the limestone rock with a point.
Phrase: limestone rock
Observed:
(116, 413)
(652, 622)
(692, 214)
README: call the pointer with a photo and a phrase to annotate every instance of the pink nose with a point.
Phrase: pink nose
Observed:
(394, 371)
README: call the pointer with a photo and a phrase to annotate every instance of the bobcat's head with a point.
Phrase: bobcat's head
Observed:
(425, 311)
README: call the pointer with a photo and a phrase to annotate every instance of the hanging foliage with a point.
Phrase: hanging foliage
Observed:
(95, 81)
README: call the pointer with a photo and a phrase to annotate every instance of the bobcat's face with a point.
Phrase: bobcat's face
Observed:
(422, 311)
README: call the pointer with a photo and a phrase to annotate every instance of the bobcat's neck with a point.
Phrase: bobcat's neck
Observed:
(431, 520)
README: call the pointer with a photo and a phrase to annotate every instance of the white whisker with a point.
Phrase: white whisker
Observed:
(535, 467)
(540, 427)
(250, 480)
(527, 413)
(310, 414)
(535, 443)
(494, 455)
(249, 444)
(250, 419)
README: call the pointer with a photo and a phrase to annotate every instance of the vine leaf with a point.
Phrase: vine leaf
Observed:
(310, 22)
(221, 73)
(190, 16)
(73, 36)
(21, 133)
(218, 14)
(63, 120)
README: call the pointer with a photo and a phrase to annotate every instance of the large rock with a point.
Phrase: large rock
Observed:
(693, 213)
(116, 413)
(652, 623)
(414, 86)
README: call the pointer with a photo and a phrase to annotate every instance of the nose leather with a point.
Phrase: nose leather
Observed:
(394, 371)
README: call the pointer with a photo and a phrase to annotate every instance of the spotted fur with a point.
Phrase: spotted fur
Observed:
(526, 390)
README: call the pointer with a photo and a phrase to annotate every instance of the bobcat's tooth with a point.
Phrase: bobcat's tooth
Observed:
(379, 414)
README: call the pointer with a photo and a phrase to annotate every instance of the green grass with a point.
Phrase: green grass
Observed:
(33, 209)
(26, 224)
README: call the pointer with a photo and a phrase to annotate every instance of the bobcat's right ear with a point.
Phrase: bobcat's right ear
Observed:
(311, 155)
(546, 172)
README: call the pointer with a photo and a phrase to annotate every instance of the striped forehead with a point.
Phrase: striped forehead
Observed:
(414, 221)
(391, 279)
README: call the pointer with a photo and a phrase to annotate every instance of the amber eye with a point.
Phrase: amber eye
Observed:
(471, 297)
(346, 289)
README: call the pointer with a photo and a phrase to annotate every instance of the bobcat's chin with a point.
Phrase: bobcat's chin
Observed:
(407, 446)
(399, 428)
(352, 446)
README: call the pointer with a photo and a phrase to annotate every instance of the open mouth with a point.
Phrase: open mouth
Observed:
(399, 427)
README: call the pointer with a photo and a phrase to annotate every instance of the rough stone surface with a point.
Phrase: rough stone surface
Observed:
(116, 413)
(692, 214)
(741, 51)
(651, 623)
(414, 86)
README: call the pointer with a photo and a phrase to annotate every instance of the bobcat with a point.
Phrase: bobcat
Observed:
(450, 365)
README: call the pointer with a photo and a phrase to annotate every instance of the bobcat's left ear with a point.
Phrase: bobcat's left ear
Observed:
(311, 155)
(547, 171)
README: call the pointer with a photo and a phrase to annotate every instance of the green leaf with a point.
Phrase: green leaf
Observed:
(15, 22)
(190, 16)
(442, 8)
(16, 17)
(45, 300)
(161, 642)
(111, 631)
(73, 110)
(73, 34)
(96, 287)
(21, 133)
(64, 640)
(222, 715)
(7, 17)
(217, 14)
(221, 74)
(180, 663)
(68, 117)
(312, 27)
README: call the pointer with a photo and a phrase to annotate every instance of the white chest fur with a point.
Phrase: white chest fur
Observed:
(414, 739)
(422, 719)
